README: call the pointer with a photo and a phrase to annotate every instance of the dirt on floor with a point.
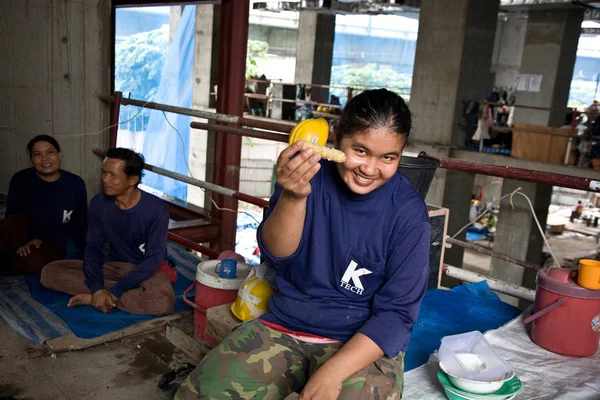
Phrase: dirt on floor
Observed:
(122, 370)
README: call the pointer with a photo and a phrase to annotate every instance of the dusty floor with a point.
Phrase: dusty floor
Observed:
(130, 368)
(127, 369)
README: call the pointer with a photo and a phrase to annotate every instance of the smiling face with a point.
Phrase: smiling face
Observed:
(114, 179)
(372, 158)
(45, 159)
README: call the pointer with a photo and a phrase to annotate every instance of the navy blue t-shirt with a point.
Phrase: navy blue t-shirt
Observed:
(55, 210)
(137, 235)
(362, 264)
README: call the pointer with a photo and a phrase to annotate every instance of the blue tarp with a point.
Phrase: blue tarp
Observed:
(469, 307)
(41, 314)
(164, 146)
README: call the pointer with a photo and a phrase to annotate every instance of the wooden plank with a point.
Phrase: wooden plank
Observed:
(220, 321)
(71, 342)
(180, 333)
(543, 146)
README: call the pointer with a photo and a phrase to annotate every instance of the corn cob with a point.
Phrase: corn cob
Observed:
(326, 152)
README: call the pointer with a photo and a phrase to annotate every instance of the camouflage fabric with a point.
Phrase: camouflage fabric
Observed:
(257, 362)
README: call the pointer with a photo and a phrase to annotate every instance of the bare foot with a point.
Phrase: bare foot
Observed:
(80, 300)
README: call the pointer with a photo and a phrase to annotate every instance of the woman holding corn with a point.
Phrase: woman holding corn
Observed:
(351, 243)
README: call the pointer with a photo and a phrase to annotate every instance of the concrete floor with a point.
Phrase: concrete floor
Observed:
(122, 370)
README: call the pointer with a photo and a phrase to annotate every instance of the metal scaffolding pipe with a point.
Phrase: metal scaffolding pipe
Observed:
(196, 182)
(230, 119)
(114, 120)
(520, 174)
(491, 253)
(211, 253)
(277, 137)
(494, 284)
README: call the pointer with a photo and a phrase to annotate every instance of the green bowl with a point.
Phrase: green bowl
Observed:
(454, 396)
(510, 388)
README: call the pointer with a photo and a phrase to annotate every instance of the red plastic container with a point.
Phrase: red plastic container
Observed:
(565, 314)
(212, 291)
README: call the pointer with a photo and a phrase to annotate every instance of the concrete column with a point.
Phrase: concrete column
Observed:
(277, 106)
(550, 49)
(517, 233)
(174, 17)
(314, 51)
(508, 50)
(206, 60)
(452, 65)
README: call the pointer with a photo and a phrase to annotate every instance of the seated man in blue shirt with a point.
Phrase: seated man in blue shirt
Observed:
(134, 223)
(46, 212)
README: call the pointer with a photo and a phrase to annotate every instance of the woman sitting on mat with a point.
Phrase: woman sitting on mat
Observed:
(351, 243)
(46, 212)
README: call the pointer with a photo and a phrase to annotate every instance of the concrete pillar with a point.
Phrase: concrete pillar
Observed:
(174, 17)
(277, 106)
(452, 65)
(206, 60)
(517, 233)
(314, 51)
(550, 50)
(508, 50)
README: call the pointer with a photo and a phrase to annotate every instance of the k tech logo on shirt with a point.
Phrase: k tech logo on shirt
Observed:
(351, 279)
(142, 248)
(67, 216)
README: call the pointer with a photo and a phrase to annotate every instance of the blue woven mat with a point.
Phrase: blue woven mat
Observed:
(41, 314)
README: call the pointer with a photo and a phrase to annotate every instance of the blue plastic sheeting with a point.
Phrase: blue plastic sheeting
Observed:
(163, 145)
(469, 307)
(473, 236)
(246, 243)
(41, 314)
(87, 322)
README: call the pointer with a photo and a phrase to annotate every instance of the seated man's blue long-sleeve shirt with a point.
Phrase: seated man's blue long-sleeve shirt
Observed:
(137, 235)
(362, 264)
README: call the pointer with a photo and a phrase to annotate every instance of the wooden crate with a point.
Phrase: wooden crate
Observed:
(540, 143)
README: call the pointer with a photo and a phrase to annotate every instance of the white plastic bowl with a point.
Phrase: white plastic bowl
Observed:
(477, 387)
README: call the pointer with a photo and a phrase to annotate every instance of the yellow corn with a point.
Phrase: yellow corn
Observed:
(326, 152)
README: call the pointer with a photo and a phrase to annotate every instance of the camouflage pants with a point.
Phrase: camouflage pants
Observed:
(257, 362)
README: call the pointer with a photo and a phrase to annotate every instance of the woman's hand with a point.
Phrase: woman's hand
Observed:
(322, 386)
(25, 250)
(294, 174)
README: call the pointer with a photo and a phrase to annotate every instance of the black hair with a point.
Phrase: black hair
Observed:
(375, 109)
(134, 162)
(42, 138)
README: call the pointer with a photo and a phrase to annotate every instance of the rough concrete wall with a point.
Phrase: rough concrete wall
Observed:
(550, 51)
(491, 186)
(206, 59)
(508, 50)
(314, 51)
(56, 61)
(475, 77)
(437, 66)
(281, 41)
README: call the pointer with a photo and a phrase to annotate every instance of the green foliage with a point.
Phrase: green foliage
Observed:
(582, 93)
(139, 61)
(371, 77)
(256, 50)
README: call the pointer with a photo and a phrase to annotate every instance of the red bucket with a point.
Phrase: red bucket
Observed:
(565, 314)
(212, 291)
